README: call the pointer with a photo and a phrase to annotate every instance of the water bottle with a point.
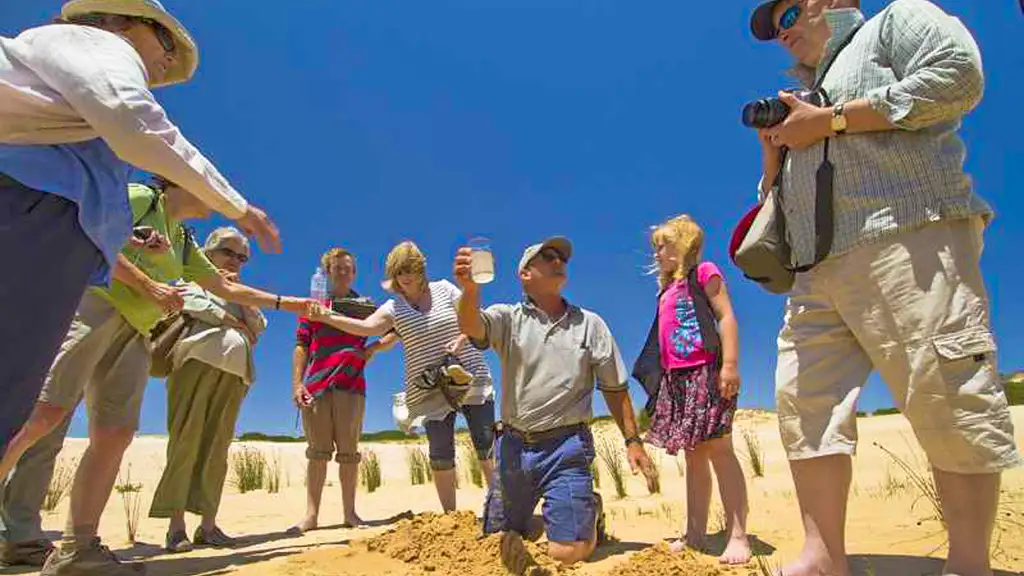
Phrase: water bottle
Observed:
(318, 287)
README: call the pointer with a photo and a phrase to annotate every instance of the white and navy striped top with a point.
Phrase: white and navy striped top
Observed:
(425, 335)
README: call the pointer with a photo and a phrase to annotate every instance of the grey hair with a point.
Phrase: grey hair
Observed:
(216, 238)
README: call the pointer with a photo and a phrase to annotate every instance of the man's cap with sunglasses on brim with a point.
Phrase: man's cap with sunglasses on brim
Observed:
(762, 25)
(186, 53)
(559, 244)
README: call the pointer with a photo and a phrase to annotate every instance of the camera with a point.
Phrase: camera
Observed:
(768, 112)
(143, 233)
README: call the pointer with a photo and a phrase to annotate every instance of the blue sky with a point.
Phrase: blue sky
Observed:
(364, 123)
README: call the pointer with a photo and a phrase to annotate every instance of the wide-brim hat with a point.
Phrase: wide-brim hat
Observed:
(560, 244)
(762, 25)
(186, 52)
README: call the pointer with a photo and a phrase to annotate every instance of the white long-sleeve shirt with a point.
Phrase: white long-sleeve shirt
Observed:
(66, 83)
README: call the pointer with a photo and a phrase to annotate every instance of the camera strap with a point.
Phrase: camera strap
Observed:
(824, 178)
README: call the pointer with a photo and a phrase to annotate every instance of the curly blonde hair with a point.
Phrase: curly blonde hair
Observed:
(333, 255)
(687, 237)
(405, 258)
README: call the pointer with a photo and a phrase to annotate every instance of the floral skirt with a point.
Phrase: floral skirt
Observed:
(690, 409)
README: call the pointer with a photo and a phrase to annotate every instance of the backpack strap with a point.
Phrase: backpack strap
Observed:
(187, 244)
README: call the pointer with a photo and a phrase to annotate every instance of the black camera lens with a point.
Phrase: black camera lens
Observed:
(764, 113)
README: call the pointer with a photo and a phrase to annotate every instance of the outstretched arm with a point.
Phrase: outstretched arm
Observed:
(242, 294)
(376, 324)
(383, 344)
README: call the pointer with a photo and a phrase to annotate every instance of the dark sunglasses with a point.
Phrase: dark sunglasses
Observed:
(789, 17)
(550, 255)
(242, 258)
(163, 35)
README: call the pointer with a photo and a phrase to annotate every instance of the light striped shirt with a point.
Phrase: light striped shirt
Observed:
(425, 336)
(921, 69)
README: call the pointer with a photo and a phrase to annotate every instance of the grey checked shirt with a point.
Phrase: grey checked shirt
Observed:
(549, 366)
(921, 69)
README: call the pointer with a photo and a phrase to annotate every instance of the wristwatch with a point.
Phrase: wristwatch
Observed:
(838, 119)
(634, 439)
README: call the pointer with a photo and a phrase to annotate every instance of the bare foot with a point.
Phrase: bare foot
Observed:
(353, 521)
(737, 551)
(302, 527)
(695, 541)
(805, 567)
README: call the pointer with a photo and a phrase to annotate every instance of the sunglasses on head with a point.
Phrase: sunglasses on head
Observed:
(163, 35)
(242, 258)
(789, 17)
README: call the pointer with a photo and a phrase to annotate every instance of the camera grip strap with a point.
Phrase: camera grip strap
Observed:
(824, 178)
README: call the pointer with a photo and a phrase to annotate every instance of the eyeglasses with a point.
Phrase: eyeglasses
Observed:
(163, 35)
(241, 258)
(550, 255)
(789, 17)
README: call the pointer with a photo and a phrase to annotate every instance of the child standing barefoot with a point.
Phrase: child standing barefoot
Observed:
(689, 366)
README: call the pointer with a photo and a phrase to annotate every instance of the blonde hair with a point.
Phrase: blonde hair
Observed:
(333, 255)
(405, 258)
(216, 238)
(687, 237)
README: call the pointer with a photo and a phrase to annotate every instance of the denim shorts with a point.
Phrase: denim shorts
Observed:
(441, 435)
(557, 470)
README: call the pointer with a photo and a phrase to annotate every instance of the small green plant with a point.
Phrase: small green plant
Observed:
(595, 471)
(755, 455)
(474, 472)
(669, 513)
(612, 458)
(131, 500)
(1014, 384)
(643, 420)
(60, 484)
(719, 520)
(273, 478)
(261, 437)
(891, 487)
(387, 436)
(419, 466)
(923, 482)
(250, 469)
(369, 471)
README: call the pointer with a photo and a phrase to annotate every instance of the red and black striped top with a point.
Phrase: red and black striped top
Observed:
(336, 359)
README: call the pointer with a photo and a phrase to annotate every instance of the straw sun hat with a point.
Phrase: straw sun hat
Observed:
(186, 52)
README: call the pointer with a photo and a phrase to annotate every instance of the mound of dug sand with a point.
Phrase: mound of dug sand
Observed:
(450, 545)
(658, 561)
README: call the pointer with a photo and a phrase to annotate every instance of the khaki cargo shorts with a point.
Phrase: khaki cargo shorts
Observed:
(912, 306)
(103, 358)
(333, 425)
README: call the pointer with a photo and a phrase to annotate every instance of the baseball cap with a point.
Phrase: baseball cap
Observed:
(762, 25)
(558, 243)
